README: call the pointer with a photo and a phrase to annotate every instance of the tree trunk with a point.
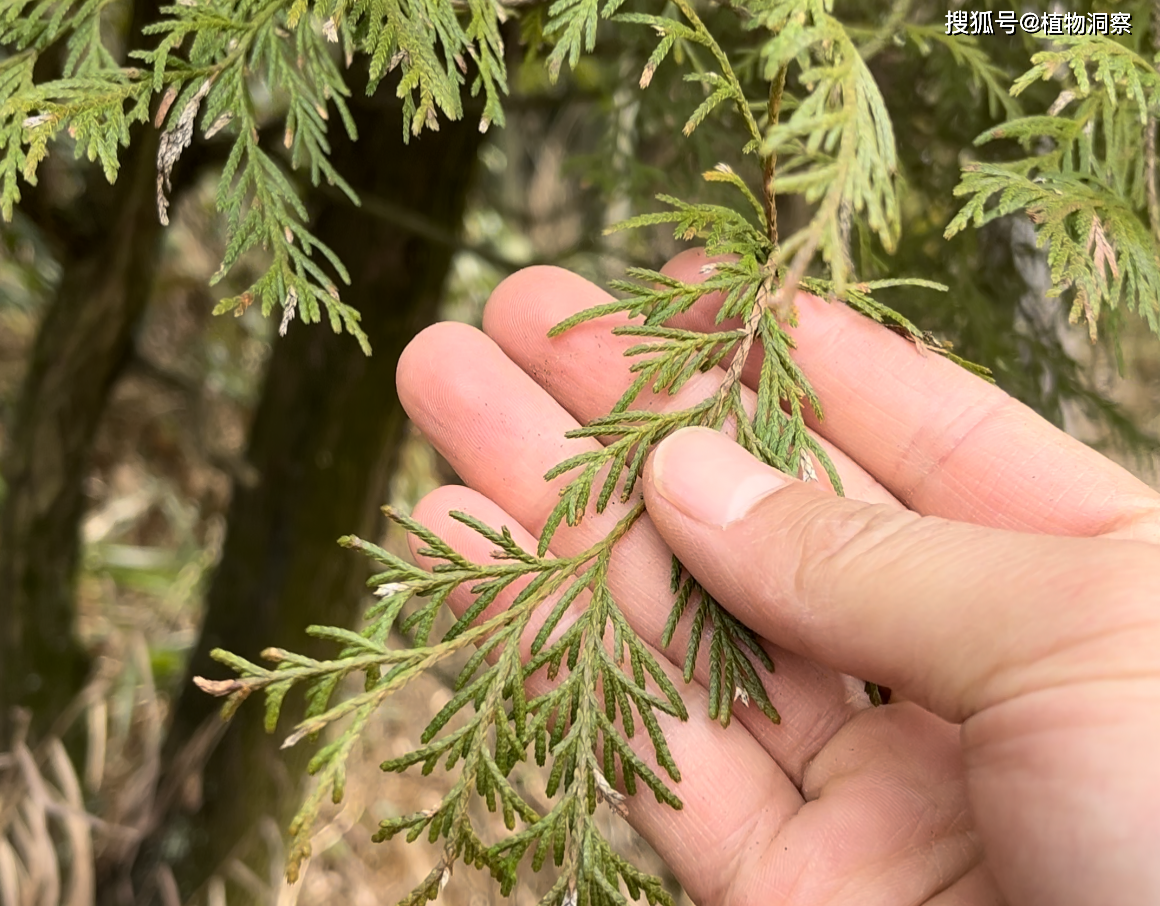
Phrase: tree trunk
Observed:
(83, 342)
(322, 446)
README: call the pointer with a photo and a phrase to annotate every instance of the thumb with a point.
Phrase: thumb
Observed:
(956, 617)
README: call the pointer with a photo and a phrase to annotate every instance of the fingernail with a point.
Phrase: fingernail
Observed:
(709, 478)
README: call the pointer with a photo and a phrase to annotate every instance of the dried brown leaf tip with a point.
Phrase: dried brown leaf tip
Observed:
(167, 100)
(288, 309)
(612, 797)
(173, 142)
(219, 688)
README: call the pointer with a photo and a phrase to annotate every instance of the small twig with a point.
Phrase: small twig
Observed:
(778, 298)
(752, 325)
(845, 228)
(766, 292)
(769, 163)
(772, 296)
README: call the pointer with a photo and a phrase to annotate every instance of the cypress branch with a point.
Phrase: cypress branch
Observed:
(1088, 182)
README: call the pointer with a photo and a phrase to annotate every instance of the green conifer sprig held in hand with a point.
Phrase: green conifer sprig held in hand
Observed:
(608, 685)
(816, 125)
(538, 619)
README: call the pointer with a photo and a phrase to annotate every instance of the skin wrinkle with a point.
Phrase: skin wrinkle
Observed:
(954, 854)
(941, 857)
(986, 434)
(810, 575)
(896, 543)
(739, 879)
(977, 502)
(816, 572)
(951, 854)
(975, 888)
(1038, 719)
(949, 845)
(1039, 677)
(1001, 740)
(760, 824)
(1005, 471)
(945, 440)
(821, 558)
(1078, 629)
(825, 556)
(963, 854)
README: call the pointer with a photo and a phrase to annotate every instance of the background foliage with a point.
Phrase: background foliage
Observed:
(883, 120)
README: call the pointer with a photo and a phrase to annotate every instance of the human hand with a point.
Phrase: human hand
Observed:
(1043, 648)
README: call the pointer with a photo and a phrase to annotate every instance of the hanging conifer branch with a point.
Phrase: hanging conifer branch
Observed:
(667, 359)
(769, 163)
(585, 736)
(1089, 196)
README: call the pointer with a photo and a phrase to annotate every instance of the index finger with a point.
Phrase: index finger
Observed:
(945, 442)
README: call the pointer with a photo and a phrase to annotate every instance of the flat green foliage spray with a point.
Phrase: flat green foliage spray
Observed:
(794, 82)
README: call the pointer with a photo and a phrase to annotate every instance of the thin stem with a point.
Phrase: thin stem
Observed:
(749, 335)
(609, 541)
(769, 201)
(769, 163)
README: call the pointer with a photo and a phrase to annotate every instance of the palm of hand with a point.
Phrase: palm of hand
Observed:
(841, 803)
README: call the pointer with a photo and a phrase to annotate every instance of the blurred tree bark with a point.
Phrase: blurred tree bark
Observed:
(322, 447)
(108, 246)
